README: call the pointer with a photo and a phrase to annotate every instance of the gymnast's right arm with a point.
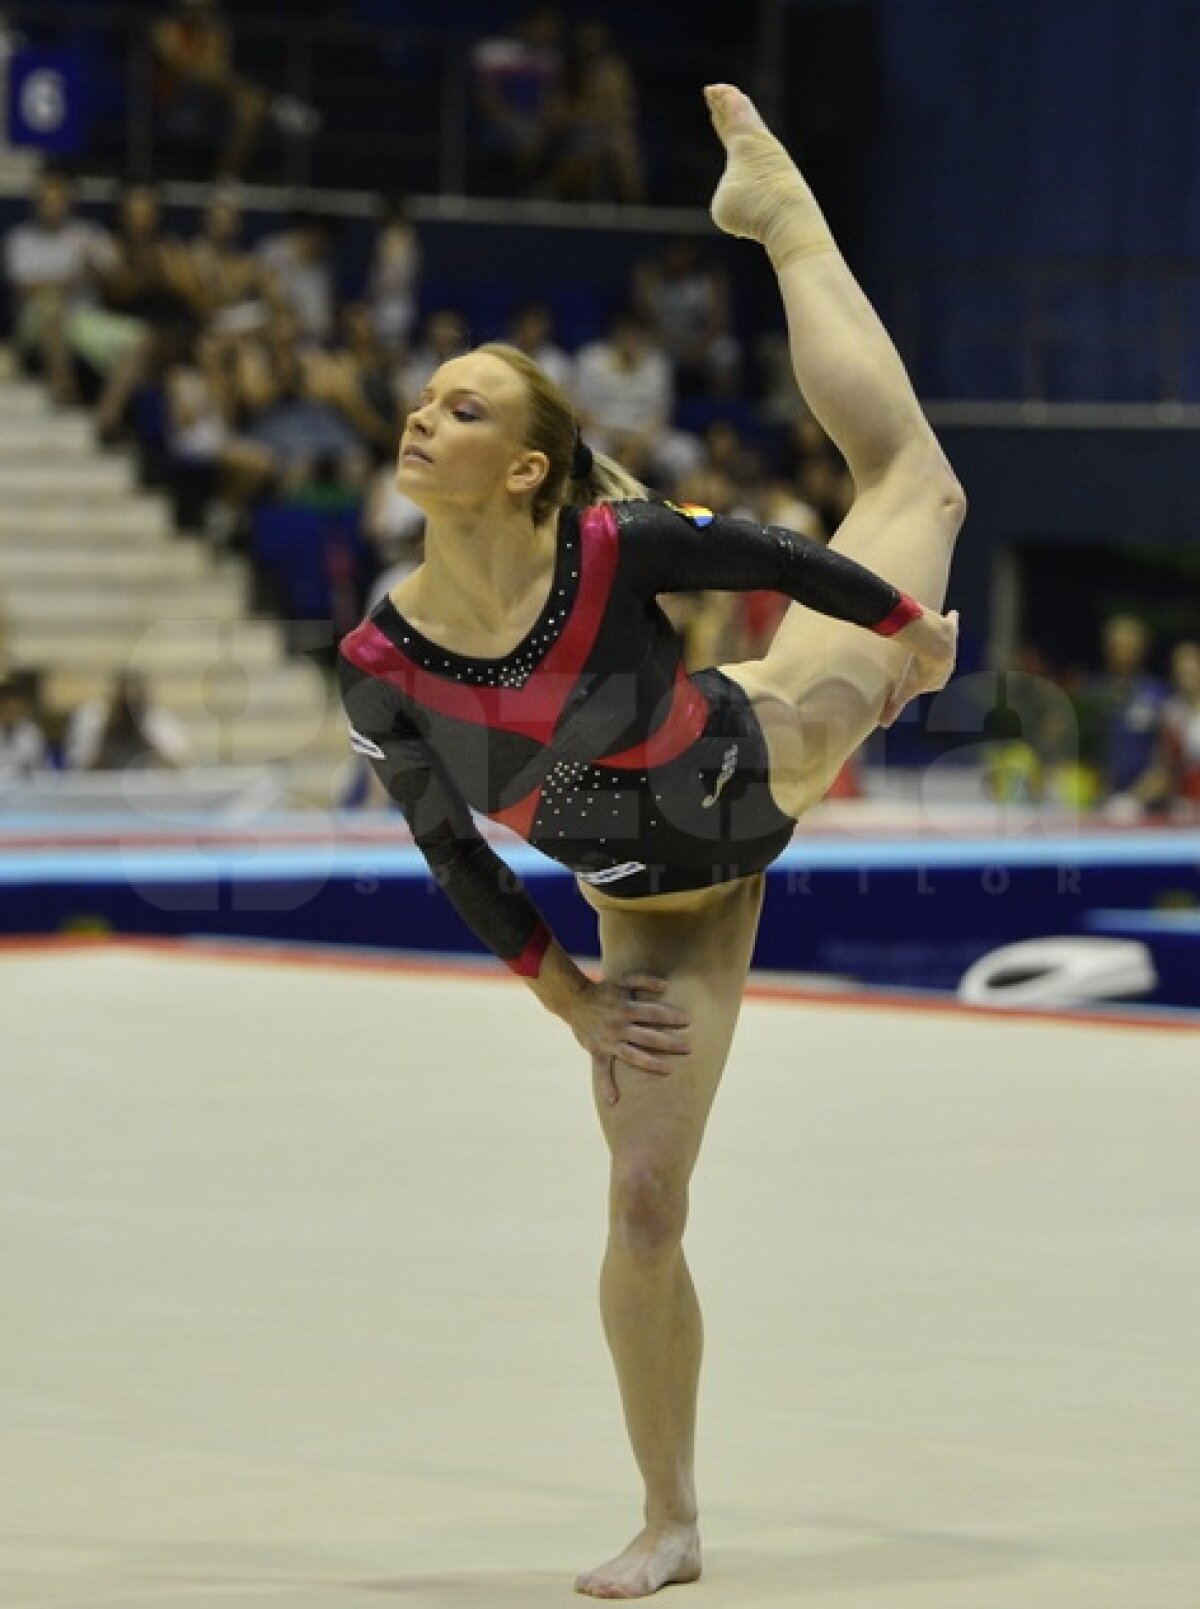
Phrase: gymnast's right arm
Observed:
(483, 890)
(604, 1017)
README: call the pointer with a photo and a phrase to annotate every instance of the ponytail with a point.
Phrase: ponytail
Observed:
(606, 482)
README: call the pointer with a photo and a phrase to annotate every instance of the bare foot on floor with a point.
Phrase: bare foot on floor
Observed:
(652, 1560)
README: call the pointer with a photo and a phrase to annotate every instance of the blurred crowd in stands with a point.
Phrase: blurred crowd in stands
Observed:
(1121, 738)
(266, 402)
(553, 103)
(261, 385)
(535, 100)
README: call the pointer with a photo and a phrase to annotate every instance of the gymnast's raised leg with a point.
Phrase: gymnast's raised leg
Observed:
(821, 687)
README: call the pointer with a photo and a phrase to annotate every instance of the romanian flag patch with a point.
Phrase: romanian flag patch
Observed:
(698, 515)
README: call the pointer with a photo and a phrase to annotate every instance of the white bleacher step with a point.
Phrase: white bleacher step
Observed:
(197, 644)
(79, 477)
(289, 739)
(56, 435)
(289, 688)
(82, 522)
(23, 399)
(73, 604)
(319, 782)
(52, 564)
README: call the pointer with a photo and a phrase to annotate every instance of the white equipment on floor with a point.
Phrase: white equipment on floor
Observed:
(1060, 972)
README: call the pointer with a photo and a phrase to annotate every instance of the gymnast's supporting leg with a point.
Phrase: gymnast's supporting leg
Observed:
(908, 506)
(702, 945)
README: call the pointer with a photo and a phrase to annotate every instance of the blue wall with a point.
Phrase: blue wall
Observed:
(1063, 128)
(1038, 131)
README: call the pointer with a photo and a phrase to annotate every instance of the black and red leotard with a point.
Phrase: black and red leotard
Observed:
(589, 739)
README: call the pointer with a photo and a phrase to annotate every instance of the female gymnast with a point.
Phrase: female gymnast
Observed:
(526, 671)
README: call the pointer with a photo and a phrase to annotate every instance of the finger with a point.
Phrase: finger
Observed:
(649, 1011)
(643, 980)
(645, 1061)
(673, 1044)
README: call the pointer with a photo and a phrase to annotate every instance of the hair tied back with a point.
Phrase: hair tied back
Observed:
(582, 460)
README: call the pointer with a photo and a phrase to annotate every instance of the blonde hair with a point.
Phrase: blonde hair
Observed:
(552, 429)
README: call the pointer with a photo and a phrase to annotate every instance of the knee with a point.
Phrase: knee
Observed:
(648, 1209)
(920, 477)
(952, 499)
(942, 491)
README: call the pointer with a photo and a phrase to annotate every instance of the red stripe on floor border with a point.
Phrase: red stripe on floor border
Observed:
(281, 954)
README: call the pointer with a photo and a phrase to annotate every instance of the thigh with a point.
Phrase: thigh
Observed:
(812, 730)
(820, 688)
(702, 944)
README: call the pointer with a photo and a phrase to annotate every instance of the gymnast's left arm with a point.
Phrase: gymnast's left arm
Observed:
(667, 547)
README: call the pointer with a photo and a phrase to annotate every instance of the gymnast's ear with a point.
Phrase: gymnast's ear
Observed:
(527, 473)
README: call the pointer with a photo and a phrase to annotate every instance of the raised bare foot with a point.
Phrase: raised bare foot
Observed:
(732, 111)
(761, 195)
(655, 1559)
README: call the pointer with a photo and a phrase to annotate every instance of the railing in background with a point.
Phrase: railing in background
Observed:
(1051, 333)
(397, 106)
(398, 116)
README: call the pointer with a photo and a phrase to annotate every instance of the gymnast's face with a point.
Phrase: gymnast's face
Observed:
(463, 443)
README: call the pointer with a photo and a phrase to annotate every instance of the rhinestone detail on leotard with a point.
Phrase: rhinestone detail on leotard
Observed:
(513, 669)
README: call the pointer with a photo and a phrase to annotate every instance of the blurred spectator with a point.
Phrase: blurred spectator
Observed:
(776, 503)
(825, 484)
(596, 154)
(805, 456)
(726, 451)
(392, 522)
(54, 262)
(204, 105)
(300, 268)
(1030, 724)
(625, 393)
(1181, 724)
(126, 729)
(404, 558)
(222, 275)
(1123, 706)
(391, 289)
(445, 335)
(150, 280)
(303, 406)
(368, 389)
(685, 301)
(207, 456)
(150, 275)
(532, 331)
(515, 81)
(202, 102)
(22, 743)
(1173, 780)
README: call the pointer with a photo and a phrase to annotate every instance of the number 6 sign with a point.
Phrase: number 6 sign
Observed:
(45, 100)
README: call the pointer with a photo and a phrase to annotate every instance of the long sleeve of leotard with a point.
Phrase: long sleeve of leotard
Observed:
(667, 547)
(483, 890)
